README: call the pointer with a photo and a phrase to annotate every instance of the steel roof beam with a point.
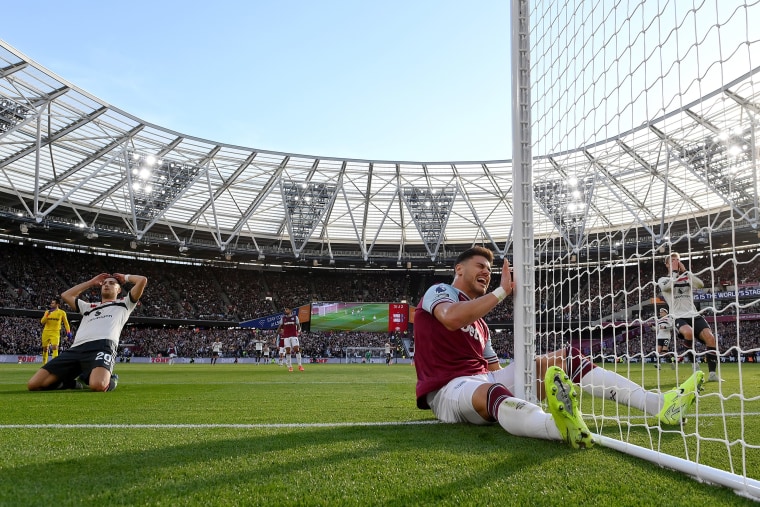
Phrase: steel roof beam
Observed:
(48, 140)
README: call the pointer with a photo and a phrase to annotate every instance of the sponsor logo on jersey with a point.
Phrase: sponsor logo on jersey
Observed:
(472, 330)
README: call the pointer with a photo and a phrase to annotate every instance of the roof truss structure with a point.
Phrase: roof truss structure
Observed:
(74, 167)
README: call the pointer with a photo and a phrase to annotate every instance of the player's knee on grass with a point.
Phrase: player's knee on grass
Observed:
(99, 386)
(39, 380)
(99, 380)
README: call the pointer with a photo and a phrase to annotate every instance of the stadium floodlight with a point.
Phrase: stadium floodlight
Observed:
(11, 114)
(430, 209)
(157, 182)
(305, 205)
(565, 202)
(725, 162)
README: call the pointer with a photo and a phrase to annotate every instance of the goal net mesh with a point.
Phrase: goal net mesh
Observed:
(644, 126)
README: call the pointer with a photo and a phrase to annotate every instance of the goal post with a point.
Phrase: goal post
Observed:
(642, 142)
(365, 355)
(522, 227)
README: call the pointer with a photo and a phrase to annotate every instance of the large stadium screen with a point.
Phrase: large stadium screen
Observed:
(370, 317)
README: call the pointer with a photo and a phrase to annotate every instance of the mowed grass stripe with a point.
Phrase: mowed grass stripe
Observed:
(335, 435)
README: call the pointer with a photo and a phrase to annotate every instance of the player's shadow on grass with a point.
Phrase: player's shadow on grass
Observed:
(452, 458)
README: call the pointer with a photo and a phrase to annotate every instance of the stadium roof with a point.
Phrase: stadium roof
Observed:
(76, 169)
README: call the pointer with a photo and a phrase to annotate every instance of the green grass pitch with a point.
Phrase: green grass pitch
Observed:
(332, 435)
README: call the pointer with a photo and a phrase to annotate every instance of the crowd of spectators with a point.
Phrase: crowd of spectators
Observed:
(21, 336)
(30, 276)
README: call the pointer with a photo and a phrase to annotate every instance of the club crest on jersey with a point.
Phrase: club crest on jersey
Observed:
(441, 293)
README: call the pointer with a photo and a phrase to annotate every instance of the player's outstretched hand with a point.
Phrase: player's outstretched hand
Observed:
(506, 278)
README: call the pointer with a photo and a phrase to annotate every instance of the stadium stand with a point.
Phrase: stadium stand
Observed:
(191, 306)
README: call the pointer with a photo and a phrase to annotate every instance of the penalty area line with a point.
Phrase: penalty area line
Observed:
(215, 426)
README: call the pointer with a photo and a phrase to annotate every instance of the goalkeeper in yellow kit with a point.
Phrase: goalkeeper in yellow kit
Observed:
(51, 333)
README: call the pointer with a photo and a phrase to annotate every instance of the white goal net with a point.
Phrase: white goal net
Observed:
(323, 309)
(644, 118)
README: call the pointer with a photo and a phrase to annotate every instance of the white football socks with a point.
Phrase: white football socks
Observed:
(524, 419)
(611, 386)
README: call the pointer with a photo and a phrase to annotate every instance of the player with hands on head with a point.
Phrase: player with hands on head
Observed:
(92, 356)
(52, 319)
(678, 291)
(459, 376)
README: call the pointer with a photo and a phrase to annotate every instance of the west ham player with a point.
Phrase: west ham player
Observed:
(92, 355)
(171, 351)
(289, 328)
(678, 292)
(664, 328)
(51, 333)
(459, 376)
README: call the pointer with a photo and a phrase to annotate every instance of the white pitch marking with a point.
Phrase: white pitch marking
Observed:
(214, 426)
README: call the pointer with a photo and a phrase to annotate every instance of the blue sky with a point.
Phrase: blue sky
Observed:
(414, 80)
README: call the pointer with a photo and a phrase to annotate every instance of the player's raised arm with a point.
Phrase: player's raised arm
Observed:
(70, 296)
(139, 282)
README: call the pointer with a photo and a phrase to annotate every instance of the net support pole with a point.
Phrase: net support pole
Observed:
(522, 185)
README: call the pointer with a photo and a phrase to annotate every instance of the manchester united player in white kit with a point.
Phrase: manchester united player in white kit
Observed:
(678, 291)
(93, 353)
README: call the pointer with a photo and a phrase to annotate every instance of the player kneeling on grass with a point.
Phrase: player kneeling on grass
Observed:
(459, 376)
(90, 359)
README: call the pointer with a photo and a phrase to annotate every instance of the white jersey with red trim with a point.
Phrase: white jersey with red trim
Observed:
(103, 320)
(678, 291)
(665, 327)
